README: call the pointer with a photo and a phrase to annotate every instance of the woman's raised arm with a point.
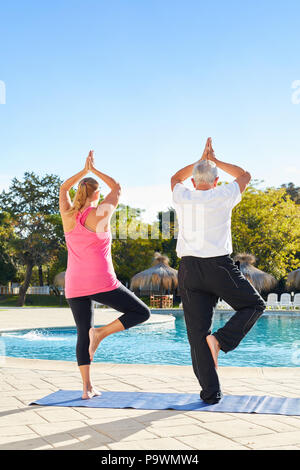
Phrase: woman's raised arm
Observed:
(64, 197)
(107, 179)
(112, 199)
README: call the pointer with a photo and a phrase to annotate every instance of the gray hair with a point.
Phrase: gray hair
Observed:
(205, 171)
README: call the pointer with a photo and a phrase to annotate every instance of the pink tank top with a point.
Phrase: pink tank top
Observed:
(90, 268)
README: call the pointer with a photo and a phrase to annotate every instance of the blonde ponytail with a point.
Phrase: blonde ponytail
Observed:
(86, 188)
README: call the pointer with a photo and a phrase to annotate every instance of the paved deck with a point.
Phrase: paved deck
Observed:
(37, 427)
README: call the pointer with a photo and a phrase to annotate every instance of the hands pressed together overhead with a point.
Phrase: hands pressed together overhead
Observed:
(89, 163)
(208, 152)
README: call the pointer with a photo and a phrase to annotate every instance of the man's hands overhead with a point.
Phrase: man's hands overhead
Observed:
(206, 149)
(208, 153)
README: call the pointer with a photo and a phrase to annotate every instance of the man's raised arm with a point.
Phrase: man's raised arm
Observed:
(241, 176)
(187, 171)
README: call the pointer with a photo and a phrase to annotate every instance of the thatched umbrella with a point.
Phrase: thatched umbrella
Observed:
(293, 279)
(259, 279)
(159, 278)
(59, 279)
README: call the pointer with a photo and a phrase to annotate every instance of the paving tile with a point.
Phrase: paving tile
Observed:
(284, 448)
(126, 445)
(154, 444)
(90, 435)
(173, 431)
(274, 440)
(236, 428)
(6, 387)
(135, 413)
(172, 422)
(119, 428)
(77, 439)
(16, 430)
(61, 440)
(290, 420)
(97, 423)
(45, 429)
(22, 385)
(124, 434)
(159, 415)
(113, 413)
(101, 447)
(210, 441)
(20, 417)
(270, 423)
(56, 414)
(24, 442)
(10, 401)
(41, 385)
(165, 443)
(26, 397)
(208, 416)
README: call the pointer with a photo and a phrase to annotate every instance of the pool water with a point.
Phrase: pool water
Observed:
(272, 342)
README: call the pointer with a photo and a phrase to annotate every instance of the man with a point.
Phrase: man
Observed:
(206, 270)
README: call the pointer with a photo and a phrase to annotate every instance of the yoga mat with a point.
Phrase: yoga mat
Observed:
(175, 401)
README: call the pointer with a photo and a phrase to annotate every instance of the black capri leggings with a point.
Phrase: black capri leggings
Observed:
(120, 299)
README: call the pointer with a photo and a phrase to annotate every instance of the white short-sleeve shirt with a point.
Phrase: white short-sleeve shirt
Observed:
(204, 219)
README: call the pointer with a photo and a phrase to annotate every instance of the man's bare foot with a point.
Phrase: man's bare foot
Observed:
(96, 335)
(214, 347)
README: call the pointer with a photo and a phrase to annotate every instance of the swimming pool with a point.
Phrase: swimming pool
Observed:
(272, 342)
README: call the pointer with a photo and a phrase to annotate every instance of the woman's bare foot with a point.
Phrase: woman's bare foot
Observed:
(214, 347)
(85, 395)
(96, 335)
(89, 392)
(93, 392)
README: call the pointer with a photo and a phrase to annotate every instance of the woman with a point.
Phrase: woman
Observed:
(90, 274)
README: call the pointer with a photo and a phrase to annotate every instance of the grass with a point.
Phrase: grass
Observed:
(34, 300)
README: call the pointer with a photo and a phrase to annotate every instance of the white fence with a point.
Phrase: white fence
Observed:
(31, 290)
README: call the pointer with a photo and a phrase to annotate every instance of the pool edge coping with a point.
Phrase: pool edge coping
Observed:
(228, 371)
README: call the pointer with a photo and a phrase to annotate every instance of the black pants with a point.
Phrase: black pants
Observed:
(120, 299)
(202, 281)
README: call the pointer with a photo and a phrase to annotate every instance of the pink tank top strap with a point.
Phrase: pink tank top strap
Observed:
(81, 216)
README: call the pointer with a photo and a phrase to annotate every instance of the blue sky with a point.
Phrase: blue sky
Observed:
(143, 83)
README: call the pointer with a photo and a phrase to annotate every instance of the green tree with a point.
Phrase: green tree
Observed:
(33, 207)
(7, 265)
(267, 224)
(132, 250)
(293, 191)
(130, 257)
